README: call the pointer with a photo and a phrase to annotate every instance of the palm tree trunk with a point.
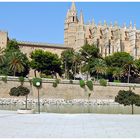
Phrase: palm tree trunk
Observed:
(128, 80)
(65, 69)
(35, 73)
(26, 102)
(14, 72)
(132, 109)
(75, 71)
(97, 76)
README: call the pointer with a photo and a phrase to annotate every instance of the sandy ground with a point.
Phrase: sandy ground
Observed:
(45, 125)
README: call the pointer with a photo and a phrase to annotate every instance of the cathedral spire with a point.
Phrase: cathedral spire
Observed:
(73, 7)
(134, 26)
(67, 13)
(124, 25)
(81, 18)
(130, 26)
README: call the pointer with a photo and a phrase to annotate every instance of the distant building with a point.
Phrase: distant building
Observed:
(109, 38)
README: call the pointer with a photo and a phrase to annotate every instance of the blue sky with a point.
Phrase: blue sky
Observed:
(44, 22)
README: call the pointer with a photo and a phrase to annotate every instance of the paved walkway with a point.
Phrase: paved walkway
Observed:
(13, 125)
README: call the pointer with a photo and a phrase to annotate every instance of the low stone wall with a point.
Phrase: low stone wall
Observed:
(67, 91)
(44, 101)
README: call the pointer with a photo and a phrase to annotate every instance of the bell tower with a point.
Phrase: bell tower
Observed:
(70, 28)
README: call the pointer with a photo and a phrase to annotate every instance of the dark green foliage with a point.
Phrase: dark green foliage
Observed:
(90, 55)
(19, 91)
(128, 98)
(117, 81)
(57, 81)
(118, 59)
(4, 79)
(67, 62)
(90, 85)
(15, 63)
(103, 82)
(35, 80)
(82, 83)
(46, 62)
(55, 84)
(21, 80)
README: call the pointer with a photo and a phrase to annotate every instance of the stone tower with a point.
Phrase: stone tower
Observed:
(109, 38)
(70, 28)
(3, 39)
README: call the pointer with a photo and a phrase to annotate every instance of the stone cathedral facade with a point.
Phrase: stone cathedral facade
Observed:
(109, 38)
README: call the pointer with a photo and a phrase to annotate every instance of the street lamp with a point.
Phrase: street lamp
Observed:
(38, 85)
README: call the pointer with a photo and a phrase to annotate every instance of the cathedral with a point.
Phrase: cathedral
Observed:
(109, 38)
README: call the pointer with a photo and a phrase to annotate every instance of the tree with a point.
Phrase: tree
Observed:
(100, 67)
(20, 91)
(46, 62)
(68, 61)
(15, 62)
(90, 54)
(120, 60)
(118, 73)
(128, 98)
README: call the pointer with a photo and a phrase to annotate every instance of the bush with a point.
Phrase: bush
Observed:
(21, 79)
(57, 81)
(54, 84)
(35, 80)
(117, 81)
(103, 82)
(90, 85)
(19, 91)
(128, 98)
(4, 79)
(71, 82)
(82, 83)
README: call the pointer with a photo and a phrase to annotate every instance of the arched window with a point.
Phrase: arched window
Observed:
(73, 19)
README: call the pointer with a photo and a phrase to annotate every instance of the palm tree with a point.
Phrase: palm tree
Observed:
(76, 62)
(118, 73)
(100, 70)
(16, 63)
(128, 67)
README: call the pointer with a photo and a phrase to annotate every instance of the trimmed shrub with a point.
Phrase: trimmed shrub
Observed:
(4, 79)
(103, 82)
(57, 81)
(117, 81)
(35, 80)
(54, 84)
(90, 85)
(82, 83)
(128, 98)
(21, 80)
(19, 91)
(71, 82)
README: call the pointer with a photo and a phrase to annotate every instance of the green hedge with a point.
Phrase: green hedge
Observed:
(103, 82)
(82, 83)
(4, 79)
(90, 85)
(21, 79)
(19, 91)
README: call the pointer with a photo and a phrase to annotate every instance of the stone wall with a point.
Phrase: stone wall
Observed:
(67, 91)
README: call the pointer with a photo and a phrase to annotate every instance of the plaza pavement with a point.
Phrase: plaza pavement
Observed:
(45, 125)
